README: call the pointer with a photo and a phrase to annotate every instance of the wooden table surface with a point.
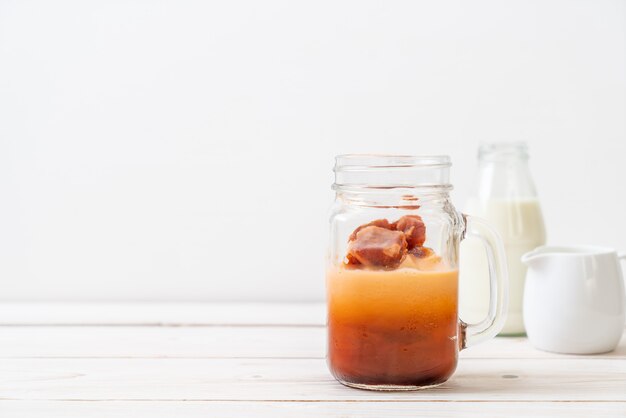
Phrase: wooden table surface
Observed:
(242, 360)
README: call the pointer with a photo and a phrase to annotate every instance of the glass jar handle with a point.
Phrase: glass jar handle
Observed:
(472, 334)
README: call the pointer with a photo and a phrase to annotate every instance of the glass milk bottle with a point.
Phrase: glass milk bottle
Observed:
(505, 197)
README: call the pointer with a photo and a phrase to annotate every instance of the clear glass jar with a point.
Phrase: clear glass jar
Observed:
(392, 274)
(505, 197)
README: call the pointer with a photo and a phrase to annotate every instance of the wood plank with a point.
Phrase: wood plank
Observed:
(191, 409)
(159, 314)
(572, 379)
(207, 342)
(158, 342)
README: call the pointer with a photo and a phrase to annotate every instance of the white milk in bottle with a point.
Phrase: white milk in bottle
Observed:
(506, 198)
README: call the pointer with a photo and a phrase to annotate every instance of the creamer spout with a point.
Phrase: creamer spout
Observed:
(531, 257)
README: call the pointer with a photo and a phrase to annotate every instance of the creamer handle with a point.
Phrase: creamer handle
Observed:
(471, 334)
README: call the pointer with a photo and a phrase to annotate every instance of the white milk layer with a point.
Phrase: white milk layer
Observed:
(520, 224)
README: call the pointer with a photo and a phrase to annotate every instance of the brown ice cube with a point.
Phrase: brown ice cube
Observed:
(422, 258)
(413, 228)
(421, 252)
(374, 246)
(382, 223)
(351, 262)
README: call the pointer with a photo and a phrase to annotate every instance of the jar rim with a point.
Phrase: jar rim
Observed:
(424, 188)
(359, 172)
(345, 162)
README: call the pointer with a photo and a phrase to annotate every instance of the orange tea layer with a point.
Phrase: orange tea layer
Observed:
(392, 326)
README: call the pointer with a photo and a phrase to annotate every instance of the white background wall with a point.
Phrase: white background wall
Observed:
(183, 149)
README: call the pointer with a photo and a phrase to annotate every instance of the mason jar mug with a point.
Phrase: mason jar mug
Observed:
(392, 274)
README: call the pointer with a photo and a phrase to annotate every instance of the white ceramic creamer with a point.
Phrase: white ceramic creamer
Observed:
(574, 299)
